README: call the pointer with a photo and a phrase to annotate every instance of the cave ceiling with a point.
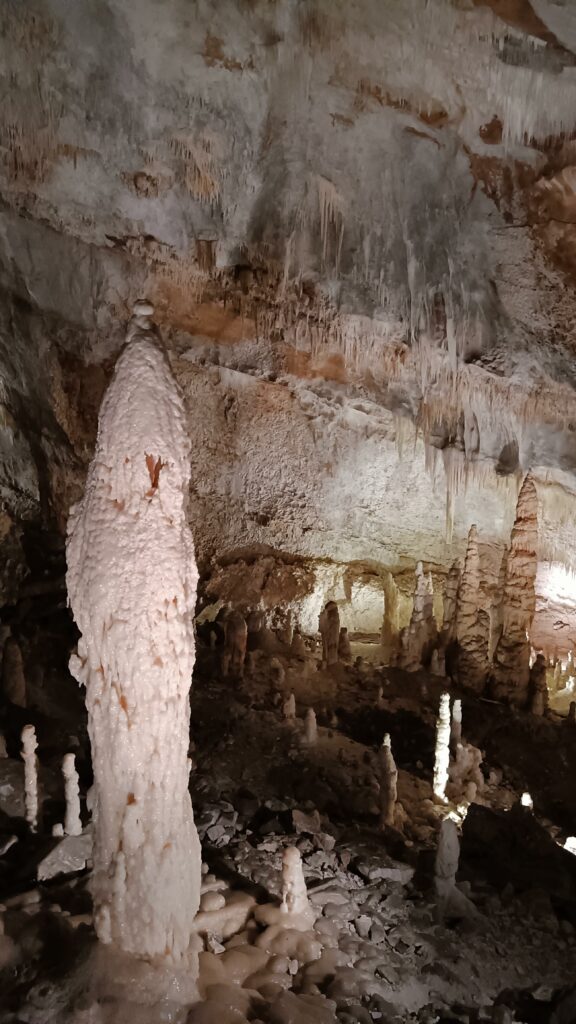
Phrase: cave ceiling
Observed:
(357, 225)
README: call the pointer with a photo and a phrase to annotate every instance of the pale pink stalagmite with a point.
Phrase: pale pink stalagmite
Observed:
(29, 747)
(388, 784)
(132, 587)
(511, 670)
(472, 621)
(72, 820)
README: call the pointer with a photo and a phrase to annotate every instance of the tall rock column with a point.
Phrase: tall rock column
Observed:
(132, 587)
(419, 638)
(390, 625)
(472, 621)
(511, 669)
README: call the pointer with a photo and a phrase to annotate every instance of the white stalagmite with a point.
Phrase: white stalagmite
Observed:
(456, 727)
(72, 820)
(29, 746)
(388, 784)
(442, 751)
(294, 894)
(132, 587)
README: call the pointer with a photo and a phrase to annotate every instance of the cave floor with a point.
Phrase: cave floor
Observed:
(378, 950)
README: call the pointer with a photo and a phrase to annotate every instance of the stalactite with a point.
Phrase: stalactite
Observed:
(511, 670)
(132, 588)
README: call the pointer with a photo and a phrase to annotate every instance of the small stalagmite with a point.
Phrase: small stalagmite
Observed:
(442, 749)
(472, 621)
(388, 784)
(344, 649)
(419, 638)
(310, 728)
(72, 820)
(294, 893)
(235, 639)
(29, 747)
(289, 708)
(511, 669)
(132, 588)
(329, 626)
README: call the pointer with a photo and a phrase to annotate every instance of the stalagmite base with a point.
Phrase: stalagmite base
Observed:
(132, 588)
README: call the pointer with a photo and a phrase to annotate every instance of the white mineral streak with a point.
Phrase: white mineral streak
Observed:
(310, 727)
(442, 751)
(456, 727)
(388, 783)
(132, 587)
(72, 820)
(294, 894)
(29, 746)
(472, 621)
(511, 671)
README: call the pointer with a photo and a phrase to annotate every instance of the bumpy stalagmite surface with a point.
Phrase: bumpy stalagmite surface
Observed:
(29, 747)
(390, 624)
(72, 821)
(132, 587)
(449, 620)
(511, 671)
(235, 638)
(472, 621)
(294, 893)
(442, 749)
(456, 724)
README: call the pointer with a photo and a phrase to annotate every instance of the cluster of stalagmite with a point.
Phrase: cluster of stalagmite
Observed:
(511, 668)
(472, 621)
(419, 637)
(136, 653)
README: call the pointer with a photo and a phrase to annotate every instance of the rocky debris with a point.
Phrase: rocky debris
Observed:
(71, 854)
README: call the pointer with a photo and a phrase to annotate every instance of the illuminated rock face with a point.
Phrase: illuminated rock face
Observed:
(511, 671)
(472, 621)
(132, 587)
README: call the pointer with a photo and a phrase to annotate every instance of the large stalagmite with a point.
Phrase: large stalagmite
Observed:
(420, 636)
(511, 670)
(472, 621)
(132, 588)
